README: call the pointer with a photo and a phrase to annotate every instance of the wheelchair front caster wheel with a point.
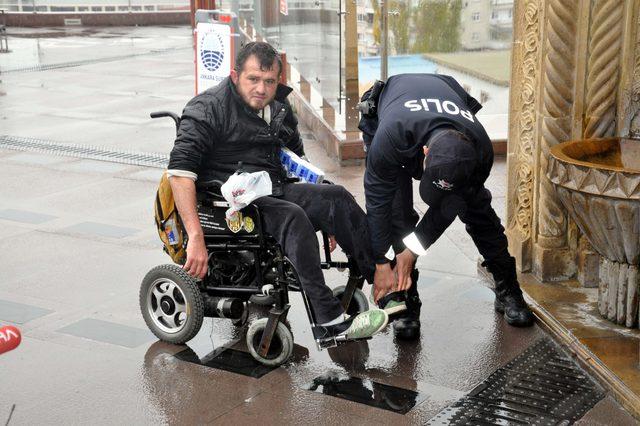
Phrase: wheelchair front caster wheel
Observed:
(281, 345)
(171, 304)
(358, 304)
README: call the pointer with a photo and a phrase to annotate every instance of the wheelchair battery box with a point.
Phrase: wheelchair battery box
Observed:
(299, 167)
(214, 221)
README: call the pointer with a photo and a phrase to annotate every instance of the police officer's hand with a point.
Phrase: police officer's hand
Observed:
(384, 281)
(332, 243)
(404, 266)
(197, 257)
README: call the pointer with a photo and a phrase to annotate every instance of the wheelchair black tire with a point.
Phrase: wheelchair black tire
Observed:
(359, 302)
(281, 347)
(188, 288)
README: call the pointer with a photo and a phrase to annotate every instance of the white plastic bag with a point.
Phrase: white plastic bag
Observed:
(242, 188)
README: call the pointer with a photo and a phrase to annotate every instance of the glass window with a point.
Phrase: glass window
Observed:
(109, 8)
(63, 9)
(475, 16)
(96, 8)
(475, 36)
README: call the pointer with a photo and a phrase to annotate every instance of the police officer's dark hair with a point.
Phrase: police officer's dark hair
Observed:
(265, 53)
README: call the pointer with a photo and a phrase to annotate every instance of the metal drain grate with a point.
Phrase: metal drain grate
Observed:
(542, 386)
(148, 159)
(46, 67)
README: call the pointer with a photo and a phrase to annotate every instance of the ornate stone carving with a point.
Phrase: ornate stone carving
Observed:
(618, 292)
(557, 98)
(603, 68)
(524, 159)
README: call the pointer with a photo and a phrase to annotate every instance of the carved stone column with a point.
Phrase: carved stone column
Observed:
(552, 256)
(603, 74)
(525, 66)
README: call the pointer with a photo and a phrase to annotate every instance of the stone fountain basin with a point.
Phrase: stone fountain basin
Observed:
(598, 182)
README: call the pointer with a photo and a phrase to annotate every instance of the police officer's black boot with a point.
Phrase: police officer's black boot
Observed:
(509, 300)
(407, 326)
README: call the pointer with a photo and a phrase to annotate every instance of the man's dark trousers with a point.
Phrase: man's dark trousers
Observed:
(403, 220)
(293, 220)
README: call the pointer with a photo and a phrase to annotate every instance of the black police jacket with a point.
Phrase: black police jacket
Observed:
(218, 130)
(410, 108)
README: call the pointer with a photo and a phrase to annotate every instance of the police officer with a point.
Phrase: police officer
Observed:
(423, 126)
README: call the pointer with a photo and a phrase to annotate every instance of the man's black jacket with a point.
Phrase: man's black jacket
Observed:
(410, 108)
(218, 129)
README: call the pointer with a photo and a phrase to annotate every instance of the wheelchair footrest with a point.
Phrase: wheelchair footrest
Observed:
(332, 342)
(325, 339)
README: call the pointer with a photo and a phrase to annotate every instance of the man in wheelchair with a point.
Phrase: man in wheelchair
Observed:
(246, 119)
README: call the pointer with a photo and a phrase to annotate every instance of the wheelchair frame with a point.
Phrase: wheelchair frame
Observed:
(257, 244)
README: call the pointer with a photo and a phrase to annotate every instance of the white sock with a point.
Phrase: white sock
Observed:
(338, 320)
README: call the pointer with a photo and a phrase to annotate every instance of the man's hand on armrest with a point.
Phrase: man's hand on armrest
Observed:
(184, 195)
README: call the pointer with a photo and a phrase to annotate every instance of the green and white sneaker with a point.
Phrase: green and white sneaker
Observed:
(392, 303)
(366, 324)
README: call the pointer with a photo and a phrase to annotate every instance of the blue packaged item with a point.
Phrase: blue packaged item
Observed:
(299, 167)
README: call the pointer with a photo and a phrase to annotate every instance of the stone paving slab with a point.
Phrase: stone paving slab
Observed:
(108, 332)
(25, 216)
(19, 313)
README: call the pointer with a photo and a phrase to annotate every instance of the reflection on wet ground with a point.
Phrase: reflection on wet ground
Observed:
(229, 360)
(364, 391)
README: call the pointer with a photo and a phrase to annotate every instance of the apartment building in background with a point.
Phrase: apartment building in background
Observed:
(486, 24)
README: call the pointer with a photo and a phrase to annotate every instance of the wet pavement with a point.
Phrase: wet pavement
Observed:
(78, 237)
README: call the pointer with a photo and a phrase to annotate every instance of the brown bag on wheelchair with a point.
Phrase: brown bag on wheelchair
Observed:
(168, 222)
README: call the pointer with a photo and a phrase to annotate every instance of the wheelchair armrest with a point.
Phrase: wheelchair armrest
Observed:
(210, 187)
(209, 184)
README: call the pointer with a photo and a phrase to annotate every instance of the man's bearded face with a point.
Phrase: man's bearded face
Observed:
(255, 85)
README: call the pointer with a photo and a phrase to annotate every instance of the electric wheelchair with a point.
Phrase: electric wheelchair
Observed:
(245, 266)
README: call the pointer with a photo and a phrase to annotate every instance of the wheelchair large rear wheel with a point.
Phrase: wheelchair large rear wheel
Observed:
(358, 302)
(171, 304)
(281, 346)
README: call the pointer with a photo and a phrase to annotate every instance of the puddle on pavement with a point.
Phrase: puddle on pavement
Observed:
(368, 392)
(227, 359)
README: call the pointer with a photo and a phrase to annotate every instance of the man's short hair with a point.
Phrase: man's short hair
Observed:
(265, 53)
